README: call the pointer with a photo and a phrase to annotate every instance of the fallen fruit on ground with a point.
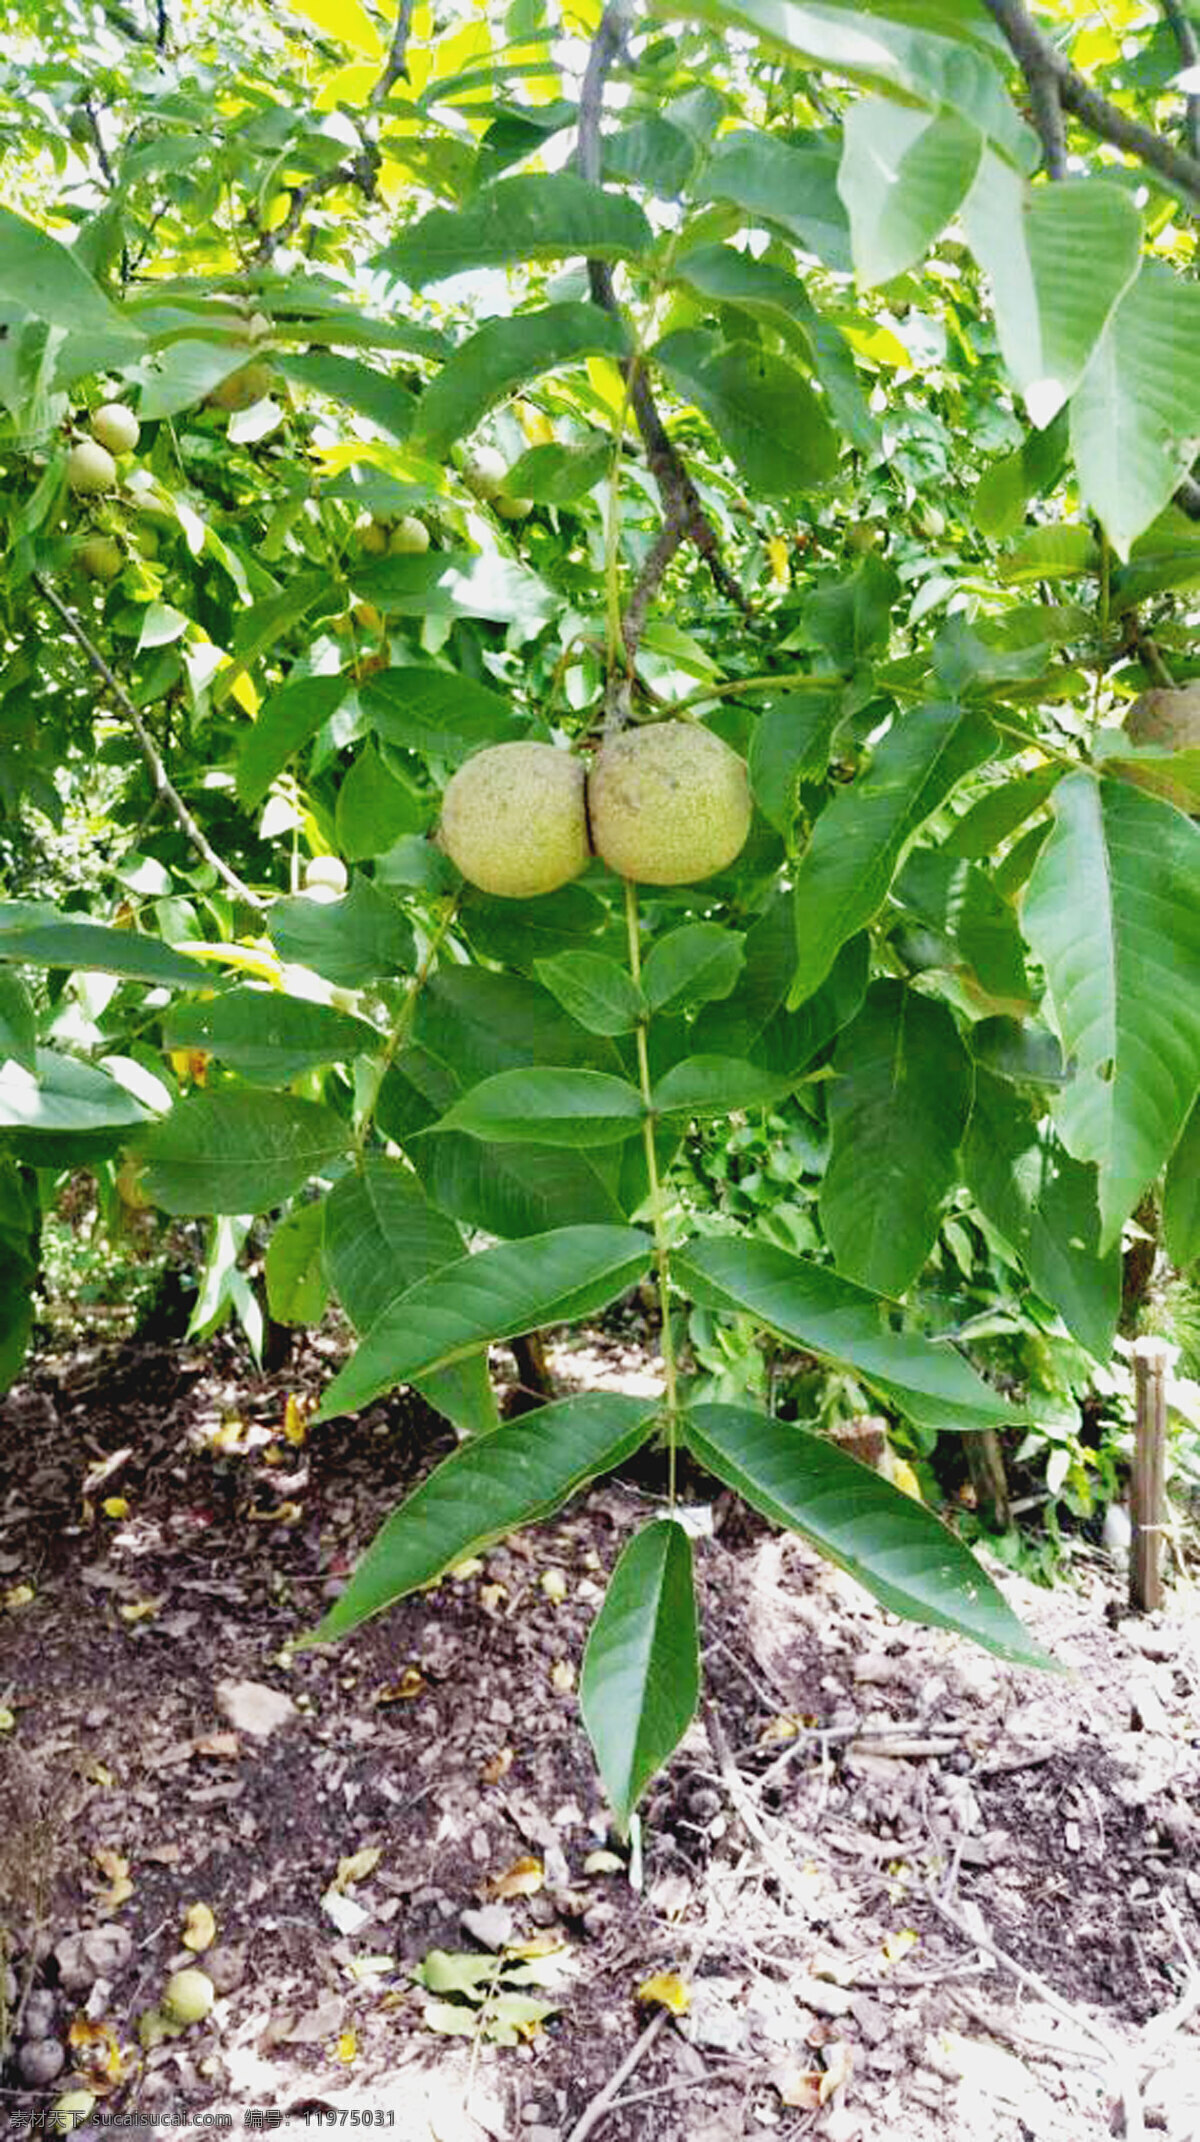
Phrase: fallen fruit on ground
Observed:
(188, 1996)
(115, 427)
(409, 538)
(514, 820)
(669, 805)
(100, 557)
(90, 468)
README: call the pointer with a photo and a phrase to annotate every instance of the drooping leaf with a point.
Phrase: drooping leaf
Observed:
(35, 935)
(540, 216)
(791, 745)
(851, 617)
(792, 184)
(290, 719)
(763, 409)
(235, 1151)
(1044, 1204)
(359, 386)
(351, 941)
(830, 1316)
(713, 1085)
(524, 1470)
(594, 989)
(62, 1095)
(270, 1038)
(696, 964)
(861, 836)
(18, 1026)
(297, 1292)
(640, 1682)
(1133, 418)
(1181, 1196)
(381, 1236)
(519, 1190)
(45, 278)
(1113, 913)
(904, 174)
(517, 1287)
(1059, 259)
(374, 809)
(898, 1106)
(437, 712)
(503, 355)
(896, 1548)
(548, 1107)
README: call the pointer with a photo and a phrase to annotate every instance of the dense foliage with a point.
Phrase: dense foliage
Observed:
(826, 376)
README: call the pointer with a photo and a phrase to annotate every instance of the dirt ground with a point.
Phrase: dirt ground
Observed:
(907, 1894)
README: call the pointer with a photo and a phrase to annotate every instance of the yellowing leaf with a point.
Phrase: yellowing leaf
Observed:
(16, 1597)
(901, 1475)
(777, 552)
(344, 20)
(115, 1506)
(785, 1727)
(523, 1879)
(295, 1418)
(898, 1944)
(879, 345)
(7, 1719)
(347, 2047)
(607, 384)
(535, 424)
(358, 1866)
(498, 1766)
(562, 1677)
(111, 1864)
(350, 85)
(461, 1571)
(136, 1610)
(99, 2048)
(190, 1066)
(603, 1863)
(410, 1684)
(199, 1929)
(554, 1584)
(666, 1990)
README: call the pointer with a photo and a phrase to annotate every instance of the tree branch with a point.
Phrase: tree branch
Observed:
(1189, 52)
(1037, 56)
(684, 517)
(164, 787)
(397, 59)
(360, 172)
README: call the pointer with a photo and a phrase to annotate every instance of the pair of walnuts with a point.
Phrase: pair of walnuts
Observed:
(665, 805)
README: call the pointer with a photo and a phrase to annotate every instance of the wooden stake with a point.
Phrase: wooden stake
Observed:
(1147, 1502)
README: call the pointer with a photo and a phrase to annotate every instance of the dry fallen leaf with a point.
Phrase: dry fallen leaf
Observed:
(357, 1867)
(523, 1879)
(554, 1584)
(225, 1747)
(97, 2050)
(410, 1684)
(295, 1418)
(347, 2047)
(115, 1506)
(498, 1766)
(199, 1929)
(252, 1707)
(666, 1990)
(16, 1597)
(898, 1944)
(562, 1677)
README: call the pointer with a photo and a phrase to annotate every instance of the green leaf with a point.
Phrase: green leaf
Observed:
(843, 1323)
(296, 1288)
(372, 393)
(548, 1107)
(1181, 1196)
(44, 278)
(1113, 913)
(1044, 1204)
(351, 941)
(517, 1190)
(504, 355)
(268, 1037)
(712, 1085)
(62, 1095)
(374, 809)
(851, 618)
(791, 745)
(558, 475)
(1018, 1050)
(437, 712)
(289, 720)
(238, 1152)
(903, 1555)
(480, 1023)
(696, 964)
(523, 1471)
(18, 1026)
(545, 1279)
(594, 989)
(904, 175)
(793, 185)
(763, 410)
(1133, 418)
(898, 1106)
(381, 1236)
(37, 936)
(537, 217)
(769, 293)
(998, 812)
(1059, 258)
(640, 1683)
(861, 836)
(651, 153)
(961, 901)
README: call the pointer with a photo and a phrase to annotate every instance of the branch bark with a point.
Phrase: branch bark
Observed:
(360, 172)
(164, 787)
(397, 59)
(684, 517)
(1037, 56)
(1189, 52)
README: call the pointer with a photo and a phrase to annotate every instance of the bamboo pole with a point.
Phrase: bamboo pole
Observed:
(1147, 1500)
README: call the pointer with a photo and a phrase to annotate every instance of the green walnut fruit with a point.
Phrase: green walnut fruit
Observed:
(669, 805)
(484, 471)
(328, 872)
(242, 388)
(409, 538)
(514, 820)
(115, 427)
(1170, 719)
(513, 509)
(188, 1996)
(100, 557)
(373, 537)
(90, 468)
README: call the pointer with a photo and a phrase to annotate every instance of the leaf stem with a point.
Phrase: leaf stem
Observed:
(402, 1022)
(662, 1252)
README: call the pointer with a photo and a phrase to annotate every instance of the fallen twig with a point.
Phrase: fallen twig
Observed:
(602, 2103)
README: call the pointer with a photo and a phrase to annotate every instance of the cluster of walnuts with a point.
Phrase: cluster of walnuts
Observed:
(663, 805)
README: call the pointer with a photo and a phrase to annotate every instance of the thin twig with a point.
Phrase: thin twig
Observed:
(683, 512)
(397, 59)
(163, 786)
(1189, 52)
(1037, 56)
(590, 2119)
(360, 172)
